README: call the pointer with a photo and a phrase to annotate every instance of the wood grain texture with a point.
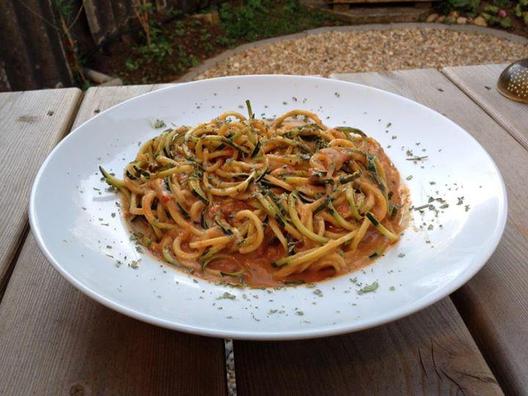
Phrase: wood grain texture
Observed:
(31, 123)
(479, 83)
(429, 353)
(98, 99)
(494, 304)
(54, 340)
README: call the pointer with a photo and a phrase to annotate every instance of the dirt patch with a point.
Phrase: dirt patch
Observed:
(185, 42)
(188, 42)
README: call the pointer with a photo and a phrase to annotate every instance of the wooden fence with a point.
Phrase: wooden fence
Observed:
(37, 38)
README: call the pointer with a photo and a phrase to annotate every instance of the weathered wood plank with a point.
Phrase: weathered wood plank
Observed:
(54, 340)
(31, 123)
(429, 353)
(479, 83)
(98, 99)
(494, 303)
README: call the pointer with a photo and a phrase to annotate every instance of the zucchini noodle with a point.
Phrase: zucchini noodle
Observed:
(263, 203)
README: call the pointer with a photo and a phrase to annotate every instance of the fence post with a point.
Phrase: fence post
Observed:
(31, 47)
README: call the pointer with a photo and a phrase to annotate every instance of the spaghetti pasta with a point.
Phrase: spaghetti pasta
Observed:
(263, 203)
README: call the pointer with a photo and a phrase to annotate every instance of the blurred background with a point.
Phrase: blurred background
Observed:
(59, 43)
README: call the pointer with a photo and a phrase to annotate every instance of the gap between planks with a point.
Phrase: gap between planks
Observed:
(11, 266)
(508, 124)
(7, 271)
(494, 302)
(25, 307)
(25, 232)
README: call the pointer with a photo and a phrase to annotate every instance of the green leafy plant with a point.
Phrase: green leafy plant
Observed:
(156, 51)
(131, 64)
(225, 41)
(521, 10)
(491, 9)
(157, 47)
(65, 12)
(178, 29)
(468, 6)
(256, 19)
(244, 21)
(144, 10)
(292, 6)
(63, 7)
(164, 51)
(505, 23)
(194, 61)
(502, 3)
(496, 16)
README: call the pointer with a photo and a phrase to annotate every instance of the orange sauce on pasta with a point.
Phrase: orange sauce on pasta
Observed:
(264, 204)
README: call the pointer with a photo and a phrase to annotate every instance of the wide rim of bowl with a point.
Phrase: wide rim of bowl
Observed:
(479, 260)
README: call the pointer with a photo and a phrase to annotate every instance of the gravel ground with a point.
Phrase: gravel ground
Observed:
(230, 367)
(359, 51)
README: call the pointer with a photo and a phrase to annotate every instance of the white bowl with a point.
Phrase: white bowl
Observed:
(80, 230)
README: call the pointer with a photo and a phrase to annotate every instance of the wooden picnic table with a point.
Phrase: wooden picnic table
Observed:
(54, 340)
